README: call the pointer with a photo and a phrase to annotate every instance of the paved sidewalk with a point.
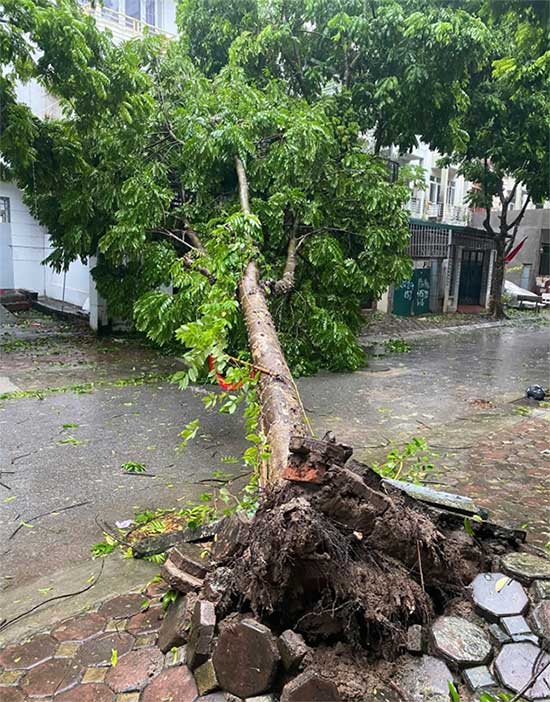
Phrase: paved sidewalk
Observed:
(380, 327)
(106, 654)
(500, 458)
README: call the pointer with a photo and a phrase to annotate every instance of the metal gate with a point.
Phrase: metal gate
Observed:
(412, 297)
(471, 270)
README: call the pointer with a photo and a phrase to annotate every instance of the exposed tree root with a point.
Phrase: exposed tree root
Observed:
(343, 560)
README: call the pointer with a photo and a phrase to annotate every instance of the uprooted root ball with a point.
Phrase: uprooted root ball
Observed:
(345, 561)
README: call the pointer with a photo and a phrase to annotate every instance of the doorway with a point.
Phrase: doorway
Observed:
(471, 272)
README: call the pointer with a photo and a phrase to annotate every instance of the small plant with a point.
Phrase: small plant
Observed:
(413, 460)
(522, 411)
(133, 467)
(104, 548)
(168, 598)
(70, 440)
(397, 346)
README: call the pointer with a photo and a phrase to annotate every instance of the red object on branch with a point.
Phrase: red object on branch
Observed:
(513, 253)
(222, 382)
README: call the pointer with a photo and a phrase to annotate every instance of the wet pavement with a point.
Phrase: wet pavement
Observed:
(48, 467)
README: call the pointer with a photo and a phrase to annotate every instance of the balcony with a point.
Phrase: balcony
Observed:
(438, 212)
(121, 26)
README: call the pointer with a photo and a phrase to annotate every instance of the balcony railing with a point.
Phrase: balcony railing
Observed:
(438, 212)
(122, 26)
(416, 207)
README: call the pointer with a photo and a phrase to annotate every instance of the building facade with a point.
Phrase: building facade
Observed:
(24, 243)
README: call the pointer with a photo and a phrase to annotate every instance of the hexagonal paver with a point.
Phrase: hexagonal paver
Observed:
(122, 606)
(526, 567)
(26, 655)
(55, 675)
(11, 694)
(541, 618)
(310, 687)
(175, 684)
(134, 670)
(460, 642)
(146, 622)
(515, 667)
(496, 595)
(98, 651)
(91, 692)
(424, 678)
(80, 628)
(246, 658)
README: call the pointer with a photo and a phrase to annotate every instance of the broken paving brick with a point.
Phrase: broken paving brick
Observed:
(414, 639)
(178, 579)
(292, 648)
(205, 678)
(188, 557)
(310, 687)
(231, 536)
(176, 624)
(203, 625)
(217, 583)
(246, 658)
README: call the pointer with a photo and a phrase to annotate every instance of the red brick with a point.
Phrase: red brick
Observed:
(122, 606)
(55, 675)
(27, 655)
(134, 670)
(90, 692)
(146, 622)
(80, 628)
(98, 651)
(173, 685)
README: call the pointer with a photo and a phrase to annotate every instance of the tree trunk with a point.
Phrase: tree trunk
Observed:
(496, 307)
(281, 410)
(282, 414)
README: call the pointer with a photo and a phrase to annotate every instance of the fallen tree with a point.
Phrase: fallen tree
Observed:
(269, 223)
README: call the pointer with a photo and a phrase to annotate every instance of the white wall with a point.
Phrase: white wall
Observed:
(26, 243)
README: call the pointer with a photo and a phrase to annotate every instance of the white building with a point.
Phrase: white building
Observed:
(24, 243)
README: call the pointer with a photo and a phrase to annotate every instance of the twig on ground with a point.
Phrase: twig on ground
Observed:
(420, 566)
(47, 514)
(533, 679)
(8, 622)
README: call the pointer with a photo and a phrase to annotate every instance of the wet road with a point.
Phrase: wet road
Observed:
(49, 467)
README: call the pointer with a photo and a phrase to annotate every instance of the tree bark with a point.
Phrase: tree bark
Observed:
(496, 307)
(282, 414)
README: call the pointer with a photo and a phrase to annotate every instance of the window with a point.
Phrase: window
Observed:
(435, 188)
(133, 8)
(5, 210)
(150, 12)
(451, 193)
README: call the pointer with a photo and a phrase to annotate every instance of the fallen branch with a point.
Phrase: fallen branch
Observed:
(47, 514)
(9, 622)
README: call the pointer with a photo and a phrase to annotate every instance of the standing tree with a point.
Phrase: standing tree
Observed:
(507, 126)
